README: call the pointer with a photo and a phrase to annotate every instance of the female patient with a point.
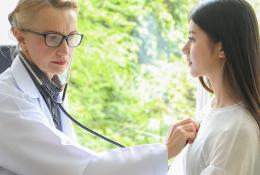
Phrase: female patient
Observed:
(36, 137)
(223, 51)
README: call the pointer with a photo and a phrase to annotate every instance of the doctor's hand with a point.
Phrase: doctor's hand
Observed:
(179, 135)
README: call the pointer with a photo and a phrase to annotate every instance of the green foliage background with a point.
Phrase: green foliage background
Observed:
(128, 77)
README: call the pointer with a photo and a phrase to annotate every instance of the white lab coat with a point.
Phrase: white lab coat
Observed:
(31, 145)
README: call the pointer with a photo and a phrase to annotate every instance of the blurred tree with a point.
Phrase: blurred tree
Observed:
(129, 80)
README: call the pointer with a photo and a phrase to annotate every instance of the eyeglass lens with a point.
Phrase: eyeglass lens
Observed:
(53, 39)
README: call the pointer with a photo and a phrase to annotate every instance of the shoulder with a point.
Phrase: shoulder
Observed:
(16, 81)
(234, 122)
(233, 116)
(239, 117)
(228, 140)
(240, 127)
(8, 85)
(13, 100)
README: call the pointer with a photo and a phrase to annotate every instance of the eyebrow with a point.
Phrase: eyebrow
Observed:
(72, 32)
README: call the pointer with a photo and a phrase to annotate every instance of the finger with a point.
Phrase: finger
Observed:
(183, 122)
(197, 125)
(190, 141)
(173, 127)
(170, 132)
(182, 132)
(182, 126)
(188, 127)
(190, 136)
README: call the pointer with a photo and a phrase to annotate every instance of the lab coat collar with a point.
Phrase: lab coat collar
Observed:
(23, 79)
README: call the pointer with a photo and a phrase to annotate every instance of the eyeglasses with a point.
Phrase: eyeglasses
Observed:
(53, 39)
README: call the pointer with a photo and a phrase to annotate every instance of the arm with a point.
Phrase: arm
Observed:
(153, 163)
(30, 146)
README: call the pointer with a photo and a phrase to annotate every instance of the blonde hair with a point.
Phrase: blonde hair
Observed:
(25, 10)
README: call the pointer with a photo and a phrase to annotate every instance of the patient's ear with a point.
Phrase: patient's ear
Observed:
(221, 52)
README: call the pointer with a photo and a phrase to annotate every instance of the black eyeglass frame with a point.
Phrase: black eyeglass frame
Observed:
(44, 34)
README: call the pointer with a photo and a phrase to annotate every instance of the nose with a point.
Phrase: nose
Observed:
(186, 48)
(63, 49)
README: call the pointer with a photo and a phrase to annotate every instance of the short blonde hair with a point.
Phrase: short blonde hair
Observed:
(25, 10)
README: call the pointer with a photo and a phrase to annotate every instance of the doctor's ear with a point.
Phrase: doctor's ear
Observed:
(20, 37)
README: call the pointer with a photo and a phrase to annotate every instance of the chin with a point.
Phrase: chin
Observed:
(59, 72)
(194, 74)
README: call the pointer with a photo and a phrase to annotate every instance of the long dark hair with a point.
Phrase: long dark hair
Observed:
(234, 24)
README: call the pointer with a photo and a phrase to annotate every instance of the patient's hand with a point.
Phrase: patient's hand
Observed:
(180, 134)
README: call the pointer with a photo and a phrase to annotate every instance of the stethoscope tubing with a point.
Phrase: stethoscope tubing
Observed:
(44, 90)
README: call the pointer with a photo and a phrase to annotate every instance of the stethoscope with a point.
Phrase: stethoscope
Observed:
(44, 89)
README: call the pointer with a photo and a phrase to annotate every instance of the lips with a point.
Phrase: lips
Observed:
(189, 61)
(61, 62)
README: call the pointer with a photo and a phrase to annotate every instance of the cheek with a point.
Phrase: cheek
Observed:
(34, 47)
(199, 52)
(40, 56)
(71, 52)
(194, 52)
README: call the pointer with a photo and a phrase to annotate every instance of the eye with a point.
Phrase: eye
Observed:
(191, 38)
(54, 37)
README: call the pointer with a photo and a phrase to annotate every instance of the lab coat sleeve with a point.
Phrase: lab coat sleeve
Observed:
(144, 160)
(234, 152)
(30, 146)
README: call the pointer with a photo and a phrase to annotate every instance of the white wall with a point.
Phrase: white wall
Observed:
(6, 6)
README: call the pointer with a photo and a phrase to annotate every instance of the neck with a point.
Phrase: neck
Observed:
(50, 76)
(224, 96)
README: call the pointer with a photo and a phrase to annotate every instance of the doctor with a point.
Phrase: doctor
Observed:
(36, 137)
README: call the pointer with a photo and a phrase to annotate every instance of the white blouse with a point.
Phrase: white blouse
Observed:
(228, 143)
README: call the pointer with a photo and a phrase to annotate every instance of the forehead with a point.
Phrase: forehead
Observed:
(53, 19)
(194, 28)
